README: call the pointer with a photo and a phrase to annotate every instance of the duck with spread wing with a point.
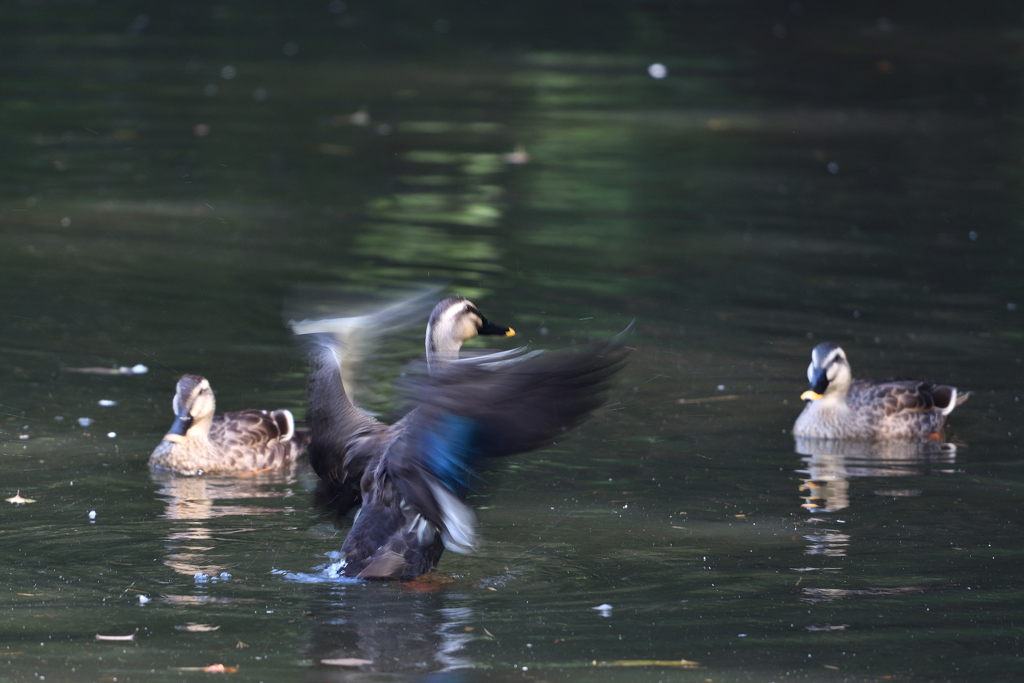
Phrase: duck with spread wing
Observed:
(411, 477)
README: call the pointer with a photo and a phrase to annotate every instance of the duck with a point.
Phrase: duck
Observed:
(410, 479)
(246, 441)
(840, 407)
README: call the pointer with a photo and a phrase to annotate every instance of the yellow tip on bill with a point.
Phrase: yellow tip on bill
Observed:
(510, 333)
(810, 396)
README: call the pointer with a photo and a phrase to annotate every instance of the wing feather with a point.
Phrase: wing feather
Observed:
(476, 410)
(901, 396)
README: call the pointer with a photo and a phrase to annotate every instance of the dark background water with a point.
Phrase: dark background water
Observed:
(173, 176)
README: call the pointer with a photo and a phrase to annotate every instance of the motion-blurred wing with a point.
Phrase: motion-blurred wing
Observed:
(362, 333)
(475, 410)
(342, 437)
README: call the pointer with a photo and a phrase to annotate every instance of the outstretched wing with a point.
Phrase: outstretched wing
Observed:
(342, 437)
(363, 333)
(478, 409)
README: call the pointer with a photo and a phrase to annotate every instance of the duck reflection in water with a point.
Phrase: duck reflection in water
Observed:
(191, 502)
(398, 629)
(832, 463)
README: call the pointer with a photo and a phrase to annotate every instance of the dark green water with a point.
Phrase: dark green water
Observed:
(796, 177)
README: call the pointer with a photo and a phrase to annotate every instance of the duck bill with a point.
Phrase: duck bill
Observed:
(487, 327)
(180, 427)
(810, 396)
(819, 383)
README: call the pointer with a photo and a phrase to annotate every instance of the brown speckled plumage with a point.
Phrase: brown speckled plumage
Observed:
(870, 409)
(200, 442)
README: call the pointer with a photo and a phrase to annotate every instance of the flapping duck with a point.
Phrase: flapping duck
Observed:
(412, 477)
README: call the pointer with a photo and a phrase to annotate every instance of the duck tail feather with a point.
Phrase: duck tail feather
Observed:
(386, 565)
(285, 424)
(946, 398)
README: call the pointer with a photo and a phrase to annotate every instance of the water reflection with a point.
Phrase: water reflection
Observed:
(414, 627)
(831, 464)
(440, 215)
(192, 501)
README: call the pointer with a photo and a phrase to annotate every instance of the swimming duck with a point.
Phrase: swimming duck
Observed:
(200, 442)
(840, 407)
(412, 477)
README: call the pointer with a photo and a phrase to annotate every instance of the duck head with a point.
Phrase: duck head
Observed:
(453, 321)
(194, 406)
(828, 373)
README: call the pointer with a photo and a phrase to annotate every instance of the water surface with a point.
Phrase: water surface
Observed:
(176, 177)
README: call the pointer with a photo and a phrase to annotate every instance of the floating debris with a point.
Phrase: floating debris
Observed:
(193, 627)
(347, 661)
(211, 669)
(657, 71)
(92, 514)
(111, 435)
(85, 421)
(220, 669)
(138, 369)
(709, 399)
(360, 118)
(130, 636)
(23, 437)
(143, 599)
(678, 663)
(106, 402)
(605, 609)
(18, 500)
(516, 157)
(200, 577)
